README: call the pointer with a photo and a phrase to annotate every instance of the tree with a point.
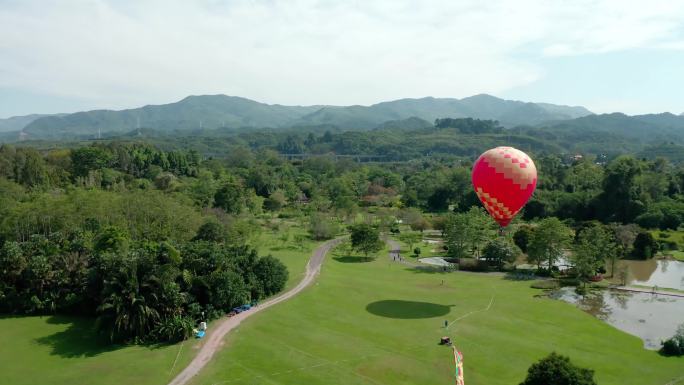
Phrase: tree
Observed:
(645, 246)
(594, 245)
(624, 237)
(275, 201)
(272, 275)
(522, 236)
(548, 242)
(211, 231)
(674, 346)
(620, 197)
(498, 252)
(230, 197)
(111, 239)
(365, 239)
(457, 233)
(465, 232)
(320, 227)
(556, 369)
(86, 159)
(410, 238)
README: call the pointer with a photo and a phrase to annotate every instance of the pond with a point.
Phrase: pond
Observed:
(651, 317)
(661, 273)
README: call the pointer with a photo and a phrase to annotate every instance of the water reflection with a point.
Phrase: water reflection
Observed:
(661, 273)
(653, 318)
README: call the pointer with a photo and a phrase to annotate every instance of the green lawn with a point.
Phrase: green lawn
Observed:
(677, 254)
(295, 257)
(379, 323)
(65, 351)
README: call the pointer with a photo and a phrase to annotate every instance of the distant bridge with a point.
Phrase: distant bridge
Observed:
(358, 158)
(361, 158)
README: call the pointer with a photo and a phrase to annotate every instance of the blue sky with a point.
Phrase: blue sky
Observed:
(607, 55)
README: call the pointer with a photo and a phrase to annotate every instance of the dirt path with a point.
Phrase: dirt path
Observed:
(214, 338)
(394, 253)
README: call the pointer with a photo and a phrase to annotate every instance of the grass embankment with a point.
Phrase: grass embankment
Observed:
(379, 323)
(671, 236)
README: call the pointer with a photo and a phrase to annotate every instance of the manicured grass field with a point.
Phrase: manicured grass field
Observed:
(380, 323)
(65, 351)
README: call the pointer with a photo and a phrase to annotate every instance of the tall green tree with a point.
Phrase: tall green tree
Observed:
(548, 242)
(365, 239)
(594, 246)
(499, 251)
(620, 199)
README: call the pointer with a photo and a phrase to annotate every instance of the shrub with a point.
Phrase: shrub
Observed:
(322, 228)
(546, 284)
(558, 370)
(671, 347)
(472, 264)
(645, 246)
(173, 329)
(668, 245)
(675, 345)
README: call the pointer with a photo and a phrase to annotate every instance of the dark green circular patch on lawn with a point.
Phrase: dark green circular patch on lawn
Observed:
(394, 308)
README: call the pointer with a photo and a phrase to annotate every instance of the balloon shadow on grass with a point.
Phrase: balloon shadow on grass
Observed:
(400, 309)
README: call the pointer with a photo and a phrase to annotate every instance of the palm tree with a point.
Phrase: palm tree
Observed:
(127, 307)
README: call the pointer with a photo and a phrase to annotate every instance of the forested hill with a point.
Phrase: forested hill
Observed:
(507, 112)
(209, 111)
(17, 123)
(218, 111)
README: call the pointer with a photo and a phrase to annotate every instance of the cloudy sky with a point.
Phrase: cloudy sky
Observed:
(63, 56)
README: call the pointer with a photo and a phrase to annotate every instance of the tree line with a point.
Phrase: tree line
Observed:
(140, 291)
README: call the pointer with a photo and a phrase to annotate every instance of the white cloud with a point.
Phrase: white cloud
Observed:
(126, 53)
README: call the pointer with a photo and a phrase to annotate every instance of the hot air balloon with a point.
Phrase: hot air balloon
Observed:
(504, 179)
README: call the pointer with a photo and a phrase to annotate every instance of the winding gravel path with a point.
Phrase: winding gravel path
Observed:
(219, 330)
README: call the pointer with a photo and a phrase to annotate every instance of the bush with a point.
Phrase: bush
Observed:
(675, 345)
(322, 228)
(472, 264)
(211, 231)
(522, 237)
(558, 370)
(668, 245)
(645, 246)
(671, 347)
(173, 329)
(546, 284)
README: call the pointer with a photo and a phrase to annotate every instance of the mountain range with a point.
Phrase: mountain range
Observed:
(559, 124)
(216, 111)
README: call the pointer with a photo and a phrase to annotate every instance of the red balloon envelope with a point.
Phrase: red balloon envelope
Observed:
(504, 179)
